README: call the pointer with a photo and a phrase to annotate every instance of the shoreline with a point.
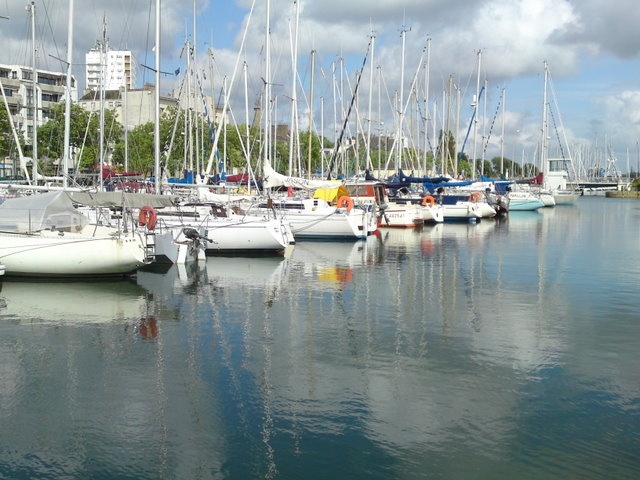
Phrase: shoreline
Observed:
(623, 194)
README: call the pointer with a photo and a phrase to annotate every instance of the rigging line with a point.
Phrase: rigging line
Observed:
(126, 27)
(146, 44)
(566, 143)
(346, 120)
(486, 143)
(48, 19)
(424, 115)
(226, 103)
(203, 99)
(473, 116)
(555, 128)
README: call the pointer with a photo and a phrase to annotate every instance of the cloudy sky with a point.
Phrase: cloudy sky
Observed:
(591, 48)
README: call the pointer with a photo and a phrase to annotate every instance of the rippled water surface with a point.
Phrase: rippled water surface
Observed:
(500, 350)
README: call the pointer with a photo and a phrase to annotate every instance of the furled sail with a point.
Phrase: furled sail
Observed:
(274, 179)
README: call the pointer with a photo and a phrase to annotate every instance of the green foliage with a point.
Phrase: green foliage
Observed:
(6, 136)
(141, 151)
(232, 146)
(316, 151)
(84, 135)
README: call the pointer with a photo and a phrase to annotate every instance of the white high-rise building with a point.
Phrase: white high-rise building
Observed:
(116, 67)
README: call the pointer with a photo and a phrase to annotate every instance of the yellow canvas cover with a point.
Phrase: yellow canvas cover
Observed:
(331, 195)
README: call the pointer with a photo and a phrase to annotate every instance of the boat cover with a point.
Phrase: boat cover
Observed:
(41, 211)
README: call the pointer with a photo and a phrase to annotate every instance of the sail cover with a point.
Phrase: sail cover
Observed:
(275, 179)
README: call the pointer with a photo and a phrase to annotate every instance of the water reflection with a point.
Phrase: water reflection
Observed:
(72, 302)
(482, 348)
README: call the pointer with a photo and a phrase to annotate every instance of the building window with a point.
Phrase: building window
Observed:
(47, 80)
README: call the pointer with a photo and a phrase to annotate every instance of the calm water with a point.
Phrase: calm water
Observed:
(501, 350)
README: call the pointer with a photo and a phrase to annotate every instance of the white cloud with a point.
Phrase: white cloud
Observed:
(515, 36)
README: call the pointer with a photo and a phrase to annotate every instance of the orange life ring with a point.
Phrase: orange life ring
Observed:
(148, 217)
(345, 202)
(475, 197)
(428, 200)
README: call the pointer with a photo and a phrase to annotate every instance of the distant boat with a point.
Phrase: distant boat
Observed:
(372, 195)
(555, 172)
(43, 235)
(520, 201)
(326, 211)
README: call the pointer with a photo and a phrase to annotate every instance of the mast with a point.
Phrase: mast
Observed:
(399, 140)
(267, 85)
(196, 115)
(311, 94)
(504, 97)
(246, 121)
(103, 71)
(189, 110)
(371, 72)
(476, 100)
(293, 134)
(381, 123)
(427, 68)
(34, 97)
(67, 103)
(484, 126)
(156, 126)
(455, 143)
(544, 145)
(126, 127)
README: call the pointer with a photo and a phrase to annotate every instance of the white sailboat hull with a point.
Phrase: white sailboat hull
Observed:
(250, 235)
(243, 234)
(339, 225)
(462, 211)
(51, 253)
(567, 197)
(315, 218)
(400, 215)
(433, 213)
(524, 201)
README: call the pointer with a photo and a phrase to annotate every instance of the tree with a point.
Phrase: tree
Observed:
(141, 152)
(446, 142)
(316, 151)
(84, 135)
(6, 135)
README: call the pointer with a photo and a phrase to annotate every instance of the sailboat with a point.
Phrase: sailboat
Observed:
(554, 171)
(44, 235)
(325, 212)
